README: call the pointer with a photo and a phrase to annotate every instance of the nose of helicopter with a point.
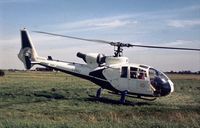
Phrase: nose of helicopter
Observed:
(167, 88)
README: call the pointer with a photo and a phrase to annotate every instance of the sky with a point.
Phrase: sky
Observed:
(173, 23)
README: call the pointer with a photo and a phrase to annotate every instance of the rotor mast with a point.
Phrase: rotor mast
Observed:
(118, 51)
(118, 48)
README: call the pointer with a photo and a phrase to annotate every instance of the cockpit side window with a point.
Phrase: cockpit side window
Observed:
(142, 74)
(133, 72)
(124, 72)
(137, 73)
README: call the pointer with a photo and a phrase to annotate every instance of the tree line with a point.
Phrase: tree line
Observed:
(184, 72)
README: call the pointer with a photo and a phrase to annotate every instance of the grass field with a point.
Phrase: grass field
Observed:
(57, 100)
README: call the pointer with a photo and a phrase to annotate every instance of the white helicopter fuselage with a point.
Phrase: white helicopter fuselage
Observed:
(105, 74)
(112, 73)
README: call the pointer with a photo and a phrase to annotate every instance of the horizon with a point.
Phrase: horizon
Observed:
(34, 69)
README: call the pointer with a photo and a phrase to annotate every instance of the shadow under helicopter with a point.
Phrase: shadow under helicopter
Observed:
(93, 98)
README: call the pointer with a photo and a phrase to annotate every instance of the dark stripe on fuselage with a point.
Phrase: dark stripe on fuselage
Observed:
(102, 83)
(98, 74)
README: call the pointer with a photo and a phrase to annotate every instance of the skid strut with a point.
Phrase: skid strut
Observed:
(123, 97)
(98, 94)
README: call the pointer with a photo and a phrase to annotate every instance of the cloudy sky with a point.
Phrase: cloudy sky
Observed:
(149, 22)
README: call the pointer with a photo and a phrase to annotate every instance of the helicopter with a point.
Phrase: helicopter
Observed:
(113, 73)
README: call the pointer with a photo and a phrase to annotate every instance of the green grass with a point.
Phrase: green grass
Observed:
(57, 100)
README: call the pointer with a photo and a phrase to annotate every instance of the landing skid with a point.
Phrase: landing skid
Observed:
(123, 96)
(115, 102)
(136, 96)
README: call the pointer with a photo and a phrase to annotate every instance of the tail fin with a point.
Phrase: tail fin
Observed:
(27, 53)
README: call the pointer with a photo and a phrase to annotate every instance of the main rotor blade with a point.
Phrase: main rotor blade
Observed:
(77, 38)
(119, 44)
(160, 47)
